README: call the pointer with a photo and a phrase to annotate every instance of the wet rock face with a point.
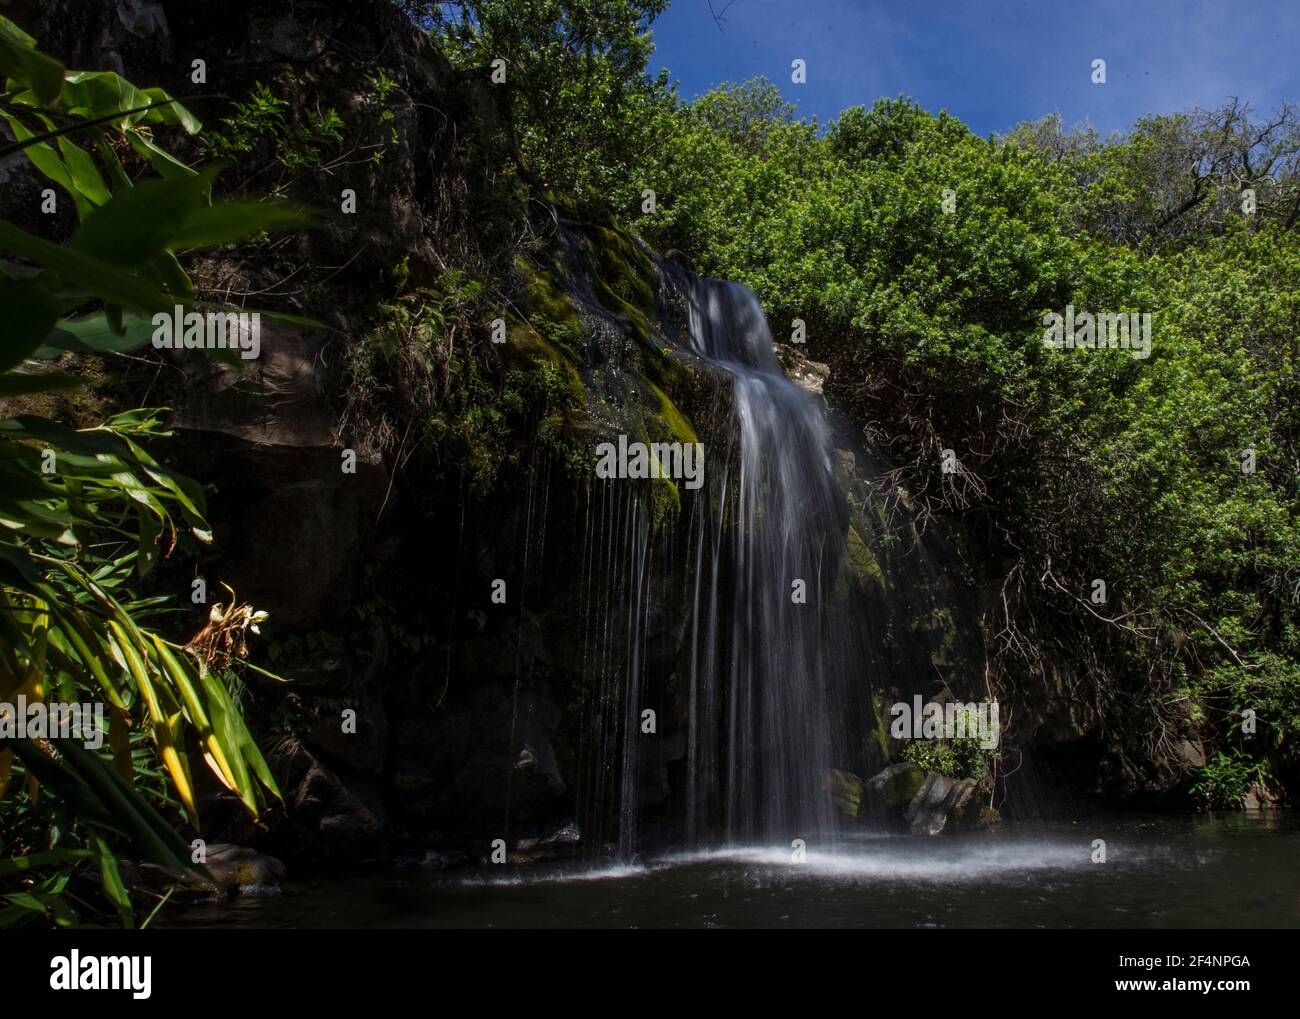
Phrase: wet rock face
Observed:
(940, 803)
(290, 526)
(98, 35)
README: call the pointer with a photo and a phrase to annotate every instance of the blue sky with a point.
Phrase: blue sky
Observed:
(993, 63)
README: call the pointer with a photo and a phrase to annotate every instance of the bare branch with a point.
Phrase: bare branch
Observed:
(719, 15)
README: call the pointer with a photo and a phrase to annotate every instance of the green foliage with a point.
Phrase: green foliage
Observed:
(429, 361)
(1226, 779)
(86, 515)
(958, 758)
(576, 94)
(1177, 180)
(263, 124)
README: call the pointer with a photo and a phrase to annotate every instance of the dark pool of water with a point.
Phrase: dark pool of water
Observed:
(1227, 871)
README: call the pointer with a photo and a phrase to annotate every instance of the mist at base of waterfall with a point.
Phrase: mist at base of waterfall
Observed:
(1165, 872)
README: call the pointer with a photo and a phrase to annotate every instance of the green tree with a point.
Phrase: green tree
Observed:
(575, 90)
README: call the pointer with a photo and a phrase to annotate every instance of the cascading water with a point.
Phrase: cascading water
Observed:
(769, 656)
(728, 623)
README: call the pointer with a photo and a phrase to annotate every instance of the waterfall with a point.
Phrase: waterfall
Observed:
(726, 623)
(711, 667)
(768, 655)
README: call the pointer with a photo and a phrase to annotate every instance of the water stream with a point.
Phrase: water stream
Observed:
(765, 667)
(725, 624)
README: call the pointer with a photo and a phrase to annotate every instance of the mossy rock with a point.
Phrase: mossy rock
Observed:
(672, 419)
(862, 561)
(846, 791)
(625, 270)
(896, 786)
(547, 297)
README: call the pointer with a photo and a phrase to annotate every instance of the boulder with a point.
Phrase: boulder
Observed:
(234, 869)
(807, 374)
(940, 804)
(894, 787)
(924, 802)
(846, 791)
(927, 813)
(238, 868)
(327, 817)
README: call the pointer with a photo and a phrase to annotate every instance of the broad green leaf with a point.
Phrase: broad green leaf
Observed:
(15, 35)
(92, 443)
(220, 710)
(47, 858)
(93, 332)
(21, 62)
(90, 649)
(225, 222)
(85, 174)
(99, 278)
(92, 94)
(138, 223)
(20, 384)
(27, 99)
(183, 675)
(46, 158)
(169, 111)
(163, 162)
(28, 313)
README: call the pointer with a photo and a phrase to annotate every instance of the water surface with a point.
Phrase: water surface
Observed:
(1225, 871)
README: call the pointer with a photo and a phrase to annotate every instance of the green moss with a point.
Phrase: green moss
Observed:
(901, 787)
(547, 299)
(543, 386)
(665, 502)
(624, 270)
(880, 731)
(846, 791)
(667, 370)
(621, 275)
(527, 349)
(673, 419)
(862, 561)
(535, 386)
(549, 338)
